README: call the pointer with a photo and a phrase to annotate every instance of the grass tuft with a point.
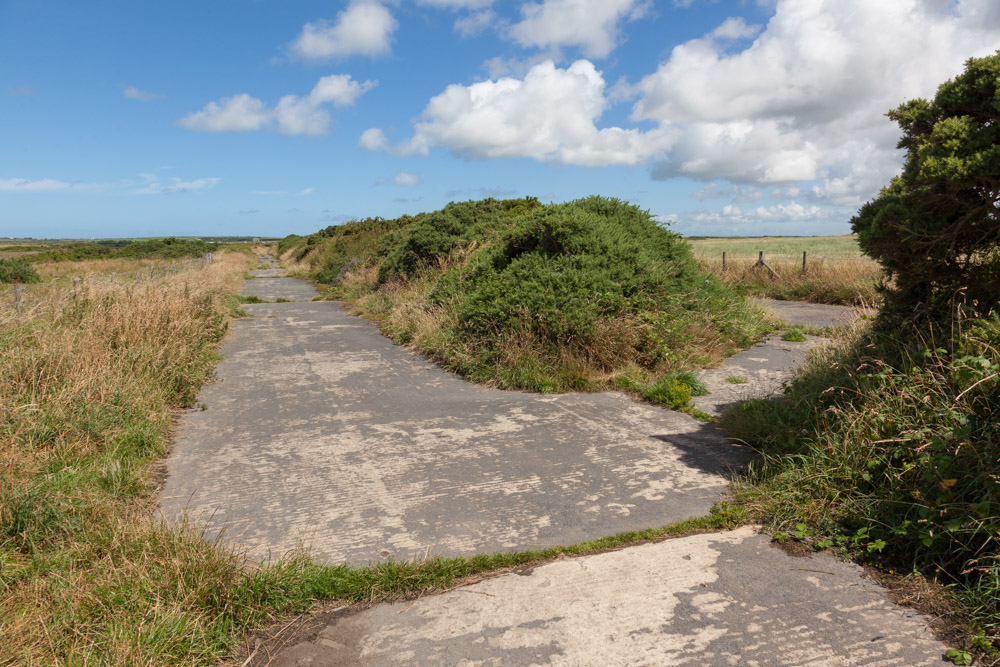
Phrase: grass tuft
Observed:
(795, 334)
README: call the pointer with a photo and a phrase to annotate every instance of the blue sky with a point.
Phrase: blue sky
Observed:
(268, 118)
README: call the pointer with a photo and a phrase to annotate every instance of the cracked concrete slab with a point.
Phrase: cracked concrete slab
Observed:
(715, 599)
(271, 285)
(765, 368)
(322, 431)
(815, 315)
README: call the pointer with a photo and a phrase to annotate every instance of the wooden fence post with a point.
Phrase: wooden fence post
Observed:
(761, 264)
(723, 261)
(19, 298)
(76, 284)
(803, 260)
(137, 278)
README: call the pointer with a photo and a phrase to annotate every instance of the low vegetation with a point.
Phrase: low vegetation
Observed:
(168, 248)
(87, 387)
(890, 445)
(577, 296)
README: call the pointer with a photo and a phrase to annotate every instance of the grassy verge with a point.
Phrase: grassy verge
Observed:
(891, 455)
(87, 389)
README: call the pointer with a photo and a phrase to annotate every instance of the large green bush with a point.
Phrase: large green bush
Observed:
(936, 228)
(562, 269)
(433, 236)
(592, 293)
(16, 270)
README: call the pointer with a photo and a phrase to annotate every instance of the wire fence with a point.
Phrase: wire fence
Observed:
(20, 298)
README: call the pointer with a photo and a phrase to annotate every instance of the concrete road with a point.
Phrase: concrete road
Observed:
(716, 599)
(321, 431)
(271, 285)
(816, 315)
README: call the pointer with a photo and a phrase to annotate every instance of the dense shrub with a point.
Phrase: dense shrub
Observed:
(16, 270)
(434, 235)
(936, 228)
(563, 268)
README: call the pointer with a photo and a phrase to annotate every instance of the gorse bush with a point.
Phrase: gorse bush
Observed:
(563, 270)
(16, 270)
(544, 297)
(433, 236)
(936, 228)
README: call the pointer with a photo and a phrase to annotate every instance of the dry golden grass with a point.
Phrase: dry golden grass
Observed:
(52, 295)
(849, 279)
(125, 268)
(836, 269)
(293, 266)
(88, 383)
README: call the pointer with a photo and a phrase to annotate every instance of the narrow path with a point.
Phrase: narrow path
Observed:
(817, 315)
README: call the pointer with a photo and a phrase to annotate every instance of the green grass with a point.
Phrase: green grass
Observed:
(890, 448)
(732, 379)
(787, 247)
(167, 248)
(794, 334)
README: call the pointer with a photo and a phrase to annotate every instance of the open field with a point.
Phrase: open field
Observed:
(836, 271)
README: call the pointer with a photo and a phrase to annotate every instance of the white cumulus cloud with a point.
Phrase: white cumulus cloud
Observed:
(365, 28)
(476, 22)
(806, 100)
(592, 25)
(239, 113)
(798, 103)
(293, 115)
(549, 115)
(373, 139)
